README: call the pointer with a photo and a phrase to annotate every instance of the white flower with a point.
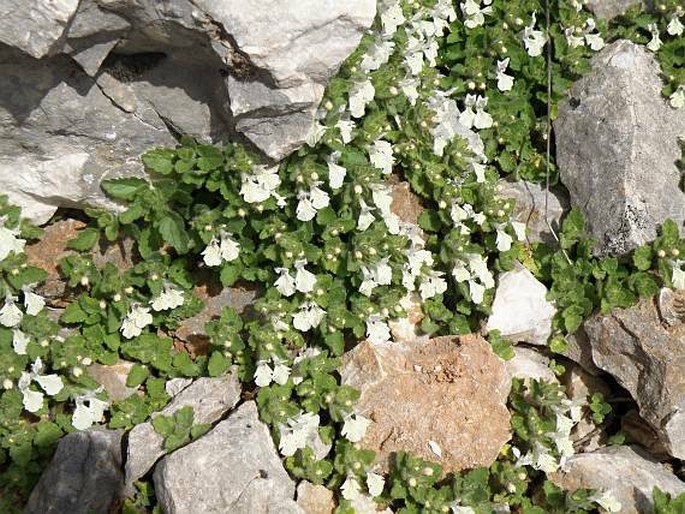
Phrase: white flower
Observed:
(409, 86)
(377, 330)
(375, 483)
(432, 284)
(217, 251)
(477, 292)
(435, 448)
(33, 303)
(350, 489)
(519, 230)
(10, 315)
(295, 432)
(573, 40)
(308, 316)
(607, 501)
(382, 197)
(311, 201)
(136, 320)
(260, 185)
(9, 242)
(265, 374)
(361, 94)
(594, 41)
(336, 174)
(355, 427)
(504, 240)
(378, 55)
(678, 277)
(504, 82)
(474, 15)
(392, 18)
(675, 27)
(677, 99)
(479, 170)
(474, 114)
(285, 283)
(380, 155)
(380, 274)
(539, 458)
(459, 509)
(89, 410)
(170, 298)
(51, 384)
(655, 43)
(346, 127)
(534, 40)
(19, 341)
(365, 217)
(304, 280)
(316, 132)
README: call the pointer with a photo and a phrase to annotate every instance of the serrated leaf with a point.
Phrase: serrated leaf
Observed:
(160, 160)
(172, 229)
(123, 188)
(137, 375)
(85, 240)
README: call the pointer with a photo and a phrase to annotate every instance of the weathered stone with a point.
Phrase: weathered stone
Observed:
(529, 364)
(578, 350)
(35, 27)
(648, 360)
(530, 208)
(117, 78)
(625, 473)
(210, 399)
(639, 431)
(193, 480)
(405, 204)
(315, 499)
(407, 328)
(113, 379)
(580, 386)
(520, 310)
(671, 305)
(84, 476)
(612, 134)
(450, 390)
(174, 386)
(608, 9)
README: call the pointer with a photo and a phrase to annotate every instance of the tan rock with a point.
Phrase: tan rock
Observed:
(113, 379)
(449, 390)
(405, 203)
(315, 499)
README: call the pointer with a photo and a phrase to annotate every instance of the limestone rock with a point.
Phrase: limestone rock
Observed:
(84, 476)
(640, 431)
(174, 386)
(450, 390)
(193, 480)
(624, 472)
(113, 378)
(580, 386)
(648, 360)
(520, 310)
(612, 134)
(578, 349)
(315, 499)
(671, 305)
(210, 398)
(607, 9)
(529, 364)
(530, 208)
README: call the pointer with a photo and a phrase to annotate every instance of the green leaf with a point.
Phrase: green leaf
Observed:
(430, 221)
(172, 229)
(642, 258)
(218, 364)
(123, 188)
(133, 213)
(73, 314)
(160, 160)
(163, 425)
(85, 240)
(230, 273)
(137, 375)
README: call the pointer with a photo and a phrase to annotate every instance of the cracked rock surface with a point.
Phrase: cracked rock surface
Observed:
(87, 86)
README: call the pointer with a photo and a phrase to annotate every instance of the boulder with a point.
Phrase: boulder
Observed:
(624, 472)
(86, 87)
(617, 147)
(84, 476)
(647, 359)
(520, 310)
(315, 499)
(210, 399)
(529, 364)
(113, 378)
(233, 468)
(608, 9)
(450, 390)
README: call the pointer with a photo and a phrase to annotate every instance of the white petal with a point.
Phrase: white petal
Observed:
(10, 315)
(360, 96)
(263, 375)
(336, 175)
(305, 209)
(350, 489)
(9, 242)
(678, 278)
(381, 156)
(19, 341)
(281, 373)
(675, 27)
(285, 284)
(33, 400)
(33, 303)
(305, 281)
(346, 127)
(229, 248)
(82, 419)
(316, 132)
(320, 198)
(375, 483)
(212, 254)
(355, 427)
(519, 230)
(504, 240)
(51, 384)
(477, 291)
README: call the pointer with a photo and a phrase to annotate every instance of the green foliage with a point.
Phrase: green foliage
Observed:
(664, 503)
(178, 429)
(600, 408)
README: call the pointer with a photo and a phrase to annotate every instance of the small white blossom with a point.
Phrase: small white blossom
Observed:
(285, 283)
(265, 374)
(170, 298)
(308, 316)
(9, 242)
(346, 127)
(218, 251)
(607, 501)
(504, 240)
(572, 39)
(361, 94)
(304, 280)
(262, 183)
(136, 320)
(534, 40)
(382, 197)
(365, 216)
(296, 431)
(539, 458)
(432, 284)
(678, 277)
(504, 82)
(677, 99)
(409, 86)
(33, 303)
(474, 114)
(377, 330)
(675, 27)
(435, 448)
(380, 155)
(336, 174)
(51, 384)
(378, 55)
(392, 18)
(10, 314)
(350, 489)
(89, 410)
(19, 341)
(375, 483)
(355, 427)
(473, 13)
(311, 201)
(519, 230)
(594, 41)
(655, 43)
(380, 274)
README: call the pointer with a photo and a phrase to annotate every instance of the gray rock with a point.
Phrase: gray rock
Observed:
(36, 28)
(617, 145)
(607, 9)
(233, 468)
(84, 476)
(648, 360)
(520, 310)
(174, 386)
(579, 351)
(628, 475)
(529, 364)
(210, 399)
(530, 208)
